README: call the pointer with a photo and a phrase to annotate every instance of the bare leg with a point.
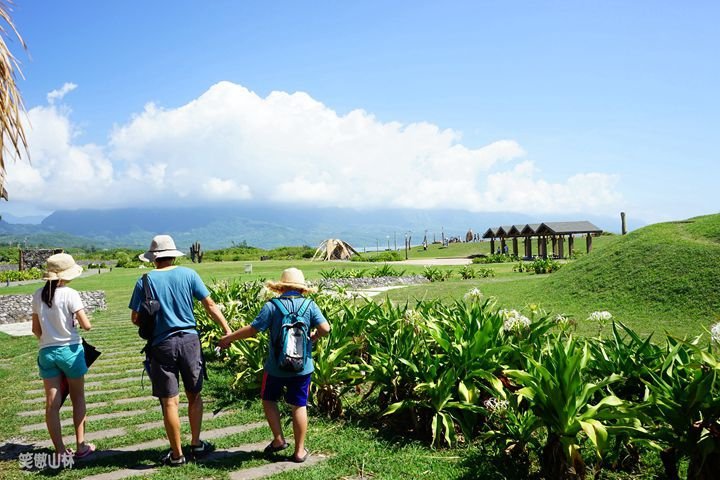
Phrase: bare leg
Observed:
(300, 423)
(52, 412)
(77, 396)
(272, 414)
(171, 419)
(195, 413)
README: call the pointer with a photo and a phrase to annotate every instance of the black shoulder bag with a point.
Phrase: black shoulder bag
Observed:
(148, 310)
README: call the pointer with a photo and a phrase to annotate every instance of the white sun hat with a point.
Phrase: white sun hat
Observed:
(162, 246)
(61, 266)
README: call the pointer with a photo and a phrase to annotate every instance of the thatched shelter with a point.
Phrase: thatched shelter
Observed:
(334, 249)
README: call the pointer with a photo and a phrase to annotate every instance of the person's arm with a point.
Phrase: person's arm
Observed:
(134, 317)
(320, 331)
(212, 309)
(83, 319)
(242, 332)
(36, 328)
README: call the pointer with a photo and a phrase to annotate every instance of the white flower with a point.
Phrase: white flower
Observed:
(413, 316)
(715, 334)
(221, 307)
(514, 320)
(494, 405)
(473, 295)
(560, 318)
(601, 317)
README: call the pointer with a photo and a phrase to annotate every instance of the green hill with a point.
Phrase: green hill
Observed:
(663, 276)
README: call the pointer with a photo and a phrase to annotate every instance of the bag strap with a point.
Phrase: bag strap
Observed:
(276, 301)
(146, 287)
(303, 308)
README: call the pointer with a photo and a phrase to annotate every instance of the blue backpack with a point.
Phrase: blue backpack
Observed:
(292, 344)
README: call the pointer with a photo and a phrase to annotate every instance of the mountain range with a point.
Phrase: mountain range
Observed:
(264, 226)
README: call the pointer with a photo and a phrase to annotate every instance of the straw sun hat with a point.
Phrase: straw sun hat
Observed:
(162, 246)
(290, 279)
(61, 266)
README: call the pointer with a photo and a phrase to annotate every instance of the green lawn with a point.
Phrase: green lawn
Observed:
(629, 276)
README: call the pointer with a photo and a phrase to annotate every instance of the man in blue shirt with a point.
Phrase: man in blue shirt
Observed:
(175, 347)
(291, 288)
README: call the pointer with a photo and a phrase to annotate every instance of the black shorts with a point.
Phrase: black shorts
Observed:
(179, 355)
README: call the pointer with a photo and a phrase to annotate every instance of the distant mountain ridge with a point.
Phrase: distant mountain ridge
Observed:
(267, 226)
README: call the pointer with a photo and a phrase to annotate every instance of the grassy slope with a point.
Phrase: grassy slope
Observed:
(659, 278)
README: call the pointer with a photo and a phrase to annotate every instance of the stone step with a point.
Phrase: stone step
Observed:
(261, 471)
(274, 468)
(89, 436)
(90, 406)
(92, 375)
(163, 442)
(97, 383)
(88, 393)
(138, 470)
(90, 418)
(117, 432)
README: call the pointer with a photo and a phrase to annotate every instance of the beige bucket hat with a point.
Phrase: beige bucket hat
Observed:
(61, 266)
(162, 246)
(290, 279)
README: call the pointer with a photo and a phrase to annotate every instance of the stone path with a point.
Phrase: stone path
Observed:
(125, 422)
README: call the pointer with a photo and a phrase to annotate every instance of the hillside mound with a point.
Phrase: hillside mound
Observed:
(666, 268)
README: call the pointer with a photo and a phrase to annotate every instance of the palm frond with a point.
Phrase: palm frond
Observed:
(11, 105)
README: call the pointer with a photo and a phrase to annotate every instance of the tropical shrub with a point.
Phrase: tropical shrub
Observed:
(496, 258)
(20, 275)
(435, 274)
(683, 406)
(545, 265)
(560, 392)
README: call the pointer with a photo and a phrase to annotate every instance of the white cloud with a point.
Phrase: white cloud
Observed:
(232, 145)
(58, 94)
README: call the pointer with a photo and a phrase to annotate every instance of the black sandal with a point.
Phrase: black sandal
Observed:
(301, 459)
(273, 449)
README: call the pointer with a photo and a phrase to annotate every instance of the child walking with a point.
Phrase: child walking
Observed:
(55, 310)
(291, 289)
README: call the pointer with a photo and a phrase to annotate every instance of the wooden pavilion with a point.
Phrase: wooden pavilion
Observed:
(555, 232)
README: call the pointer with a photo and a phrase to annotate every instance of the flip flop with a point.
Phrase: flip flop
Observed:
(273, 449)
(89, 450)
(300, 459)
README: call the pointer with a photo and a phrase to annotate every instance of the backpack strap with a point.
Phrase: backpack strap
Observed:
(146, 286)
(276, 301)
(303, 308)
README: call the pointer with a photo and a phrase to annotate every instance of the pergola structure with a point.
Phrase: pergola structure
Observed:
(555, 232)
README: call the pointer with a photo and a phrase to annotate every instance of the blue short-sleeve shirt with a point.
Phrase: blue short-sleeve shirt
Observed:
(270, 317)
(176, 289)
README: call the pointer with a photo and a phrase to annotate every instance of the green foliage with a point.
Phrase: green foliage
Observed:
(435, 274)
(557, 384)
(20, 275)
(124, 260)
(386, 256)
(468, 272)
(683, 407)
(496, 258)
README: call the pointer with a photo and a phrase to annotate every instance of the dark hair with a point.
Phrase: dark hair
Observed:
(48, 292)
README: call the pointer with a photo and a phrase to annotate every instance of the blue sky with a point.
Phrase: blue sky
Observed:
(535, 107)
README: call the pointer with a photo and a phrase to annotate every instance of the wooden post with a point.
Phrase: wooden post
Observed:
(588, 242)
(528, 247)
(502, 245)
(561, 246)
(553, 240)
(515, 246)
(544, 247)
(492, 246)
(624, 225)
(571, 245)
(539, 247)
